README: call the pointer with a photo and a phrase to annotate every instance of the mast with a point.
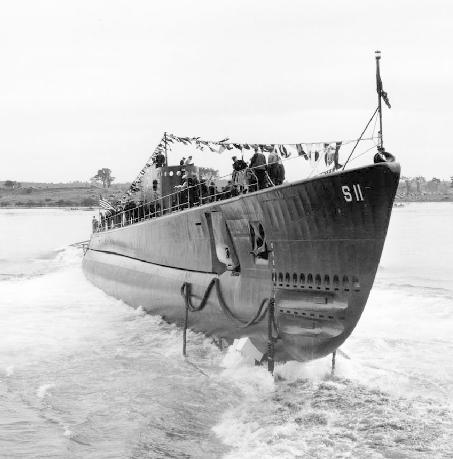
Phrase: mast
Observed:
(165, 146)
(379, 91)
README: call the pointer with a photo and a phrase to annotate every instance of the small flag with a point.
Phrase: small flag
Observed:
(268, 148)
(300, 151)
(337, 150)
(283, 151)
(380, 88)
(105, 204)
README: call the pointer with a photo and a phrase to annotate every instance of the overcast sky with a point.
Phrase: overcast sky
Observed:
(91, 84)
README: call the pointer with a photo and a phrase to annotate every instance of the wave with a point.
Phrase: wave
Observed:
(307, 412)
(84, 355)
(424, 288)
(35, 266)
(51, 254)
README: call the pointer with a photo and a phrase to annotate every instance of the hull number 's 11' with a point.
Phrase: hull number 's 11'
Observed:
(352, 195)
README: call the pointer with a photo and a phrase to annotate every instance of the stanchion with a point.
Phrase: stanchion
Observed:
(184, 333)
(270, 339)
(332, 371)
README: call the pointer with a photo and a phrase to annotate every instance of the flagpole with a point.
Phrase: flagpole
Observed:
(165, 144)
(379, 91)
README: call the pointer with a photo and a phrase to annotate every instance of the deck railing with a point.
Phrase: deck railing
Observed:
(244, 182)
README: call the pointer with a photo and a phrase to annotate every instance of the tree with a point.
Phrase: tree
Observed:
(408, 186)
(433, 185)
(419, 181)
(11, 184)
(104, 175)
(451, 184)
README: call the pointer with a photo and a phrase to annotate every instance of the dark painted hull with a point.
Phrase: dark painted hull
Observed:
(327, 238)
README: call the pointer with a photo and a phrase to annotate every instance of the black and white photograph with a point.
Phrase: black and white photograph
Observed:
(226, 229)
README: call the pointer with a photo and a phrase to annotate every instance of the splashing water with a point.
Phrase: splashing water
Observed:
(83, 375)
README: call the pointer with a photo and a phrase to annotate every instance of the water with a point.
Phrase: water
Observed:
(84, 376)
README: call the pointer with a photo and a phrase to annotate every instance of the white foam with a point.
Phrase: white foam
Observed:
(9, 370)
(43, 390)
(314, 370)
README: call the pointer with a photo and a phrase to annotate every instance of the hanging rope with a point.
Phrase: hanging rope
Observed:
(271, 315)
(360, 138)
(186, 293)
(258, 317)
(261, 312)
(240, 323)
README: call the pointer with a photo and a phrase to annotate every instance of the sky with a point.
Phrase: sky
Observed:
(92, 84)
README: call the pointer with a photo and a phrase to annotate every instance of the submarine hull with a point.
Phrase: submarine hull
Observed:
(313, 245)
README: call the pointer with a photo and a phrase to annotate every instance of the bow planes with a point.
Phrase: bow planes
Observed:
(289, 266)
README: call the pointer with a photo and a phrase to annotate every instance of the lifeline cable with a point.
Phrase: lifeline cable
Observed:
(361, 135)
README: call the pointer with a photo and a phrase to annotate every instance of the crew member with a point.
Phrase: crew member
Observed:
(238, 176)
(204, 192)
(160, 159)
(258, 166)
(212, 191)
(272, 161)
(227, 190)
(279, 173)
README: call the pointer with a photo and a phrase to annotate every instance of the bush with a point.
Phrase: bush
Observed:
(31, 203)
(28, 190)
(88, 202)
(65, 203)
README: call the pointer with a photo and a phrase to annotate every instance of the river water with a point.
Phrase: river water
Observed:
(82, 375)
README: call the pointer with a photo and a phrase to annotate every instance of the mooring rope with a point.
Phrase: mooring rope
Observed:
(240, 323)
(186, 293)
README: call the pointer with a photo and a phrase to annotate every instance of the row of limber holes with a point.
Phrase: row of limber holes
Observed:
(310, 315)
(316, 282)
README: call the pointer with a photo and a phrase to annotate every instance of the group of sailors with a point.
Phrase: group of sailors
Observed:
(193, 191)
(123, 215)
(259, 173)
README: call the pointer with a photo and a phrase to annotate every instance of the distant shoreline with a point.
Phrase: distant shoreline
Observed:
(27, 196)
(421, 198)
(84, 196)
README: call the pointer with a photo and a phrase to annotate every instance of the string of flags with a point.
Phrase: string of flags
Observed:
(308, 150)
(325, 153)
(136, 184)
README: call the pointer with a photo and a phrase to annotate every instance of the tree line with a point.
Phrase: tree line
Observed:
(420, 185)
